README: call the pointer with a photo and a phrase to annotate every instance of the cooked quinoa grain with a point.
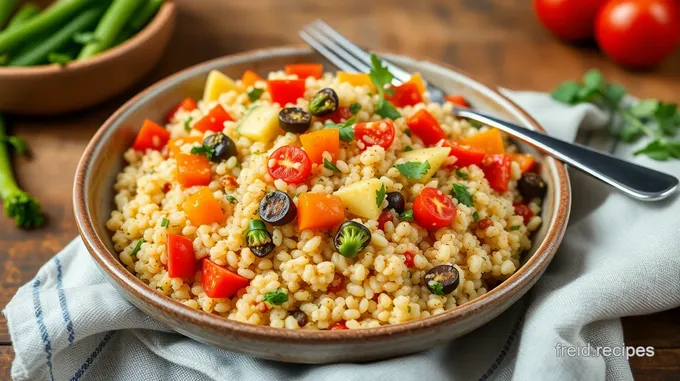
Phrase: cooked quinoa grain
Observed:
(305, 282)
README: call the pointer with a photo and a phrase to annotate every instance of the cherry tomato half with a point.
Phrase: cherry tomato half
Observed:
(571, 20)
(426, 127)
(290, 164)
(638, 33)
(379, 133)
(432, 209)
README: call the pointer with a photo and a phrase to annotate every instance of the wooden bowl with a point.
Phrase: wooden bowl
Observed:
(53, 89)
(93, 203)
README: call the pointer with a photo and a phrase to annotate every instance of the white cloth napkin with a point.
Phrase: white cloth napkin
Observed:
(619, 258)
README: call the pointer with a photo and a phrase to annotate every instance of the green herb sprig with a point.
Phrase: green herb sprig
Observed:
(381, 77)
(276, 297)
(413, 169)
(346, 129)
(380, 195)
(328, 165)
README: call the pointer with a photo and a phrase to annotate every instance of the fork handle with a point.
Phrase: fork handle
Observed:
(636, 181)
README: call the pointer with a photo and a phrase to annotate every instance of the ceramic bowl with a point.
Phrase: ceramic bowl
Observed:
(93, 201)
(53, 89)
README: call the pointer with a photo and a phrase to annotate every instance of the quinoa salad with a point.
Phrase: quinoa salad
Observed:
(315, 200)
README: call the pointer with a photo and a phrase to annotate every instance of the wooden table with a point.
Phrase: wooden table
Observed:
(497, 41)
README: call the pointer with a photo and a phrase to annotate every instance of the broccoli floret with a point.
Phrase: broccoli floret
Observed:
(19, 205)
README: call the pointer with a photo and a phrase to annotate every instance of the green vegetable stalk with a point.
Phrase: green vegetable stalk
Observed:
(19, 205)
(51, 18)
(35, 55)
(109, 27)
(6, 7)
(25, 13)
(145, 14)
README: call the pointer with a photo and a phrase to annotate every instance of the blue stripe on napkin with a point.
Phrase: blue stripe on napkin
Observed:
(41, 325)
(93, 356)
(62, 303)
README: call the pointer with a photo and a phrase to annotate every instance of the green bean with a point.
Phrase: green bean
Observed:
(145, 14)
(109, 27)
(6, 7)
(25, 13)
(60, 39)
(50, 18)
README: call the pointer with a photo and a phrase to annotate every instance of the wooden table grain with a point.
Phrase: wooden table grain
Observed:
(497, 41)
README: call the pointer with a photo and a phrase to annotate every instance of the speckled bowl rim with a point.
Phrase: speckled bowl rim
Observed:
(164, 14)
(109, 262)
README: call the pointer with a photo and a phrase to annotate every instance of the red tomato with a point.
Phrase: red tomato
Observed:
(638, 33)
(570, 20)
(340, 115)
(484, 223)
(523, 210)
(497, 171)
(408, 94)
(284, 91)
(305, 70)
(290, 164)
(181, 257)
(339, 326)
(426, 127)
(432, 209)
(213, 120)
(457, 100)
(337, 284)
(151, 136)
(465, 155)
(219, 282)
(385, 216)
(379, 133)
(408, 260)
(187, 104)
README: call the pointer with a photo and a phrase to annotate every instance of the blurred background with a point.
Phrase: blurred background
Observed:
(499, 42)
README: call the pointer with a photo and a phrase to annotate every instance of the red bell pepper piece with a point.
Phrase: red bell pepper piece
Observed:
(408, 94)
(465, 155)
(219, 282)
(340, 115)
(213, 120)
(426, 127)
(187, 104)
(457, 100)
(497, 171)
(181, 257)
(151, 136)
(523, 210)
(285, 91)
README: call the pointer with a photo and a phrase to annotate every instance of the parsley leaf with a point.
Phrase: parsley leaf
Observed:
(187, 124)
(407, 216)
(566, 92)
(462, 194)
(354, 108)
(380, 195)
(475, 216)
(408, 148)
(137, 248)
(463, 175)
(381, 77)
(204, 150)
(327, 164)
(436, 287)
(346, 129)
(515, 227)
(387, 110)
(165, 223)
(276, 297)
(407, 132)
(413, 169)
(255, 94)
(231, 199)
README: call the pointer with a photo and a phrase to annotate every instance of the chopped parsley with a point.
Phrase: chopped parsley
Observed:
(204, 150)
(354, 108)
(255, 94)
(187, 124)
(413, 169)
(137, 248)
(515, 227)
(461, 174)
(408, 148)
(231, 199)
(475, 216)
(436, 287)
(381, 77)
(408, 132)
(165, 223)
(407, 216)
(346, 129)
(380, 195)
(276, 297)
(328, 165)
(462, 194)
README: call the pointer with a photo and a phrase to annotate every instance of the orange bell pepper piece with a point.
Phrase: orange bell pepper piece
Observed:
(490, 141)
(304, 70)
(187, 104)
(202, 208)
(356, 79)
(319, 211)
(317, 142)
(417, 80)
(151, 136)
(174, 145)
(526, 162)
(193, 170)
(249, 78)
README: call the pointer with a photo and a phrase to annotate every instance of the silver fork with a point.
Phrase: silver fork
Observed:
(634, 180)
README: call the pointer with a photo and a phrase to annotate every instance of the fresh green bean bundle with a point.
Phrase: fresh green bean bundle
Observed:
(6, 7)
(109, 27)
(25, 13)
